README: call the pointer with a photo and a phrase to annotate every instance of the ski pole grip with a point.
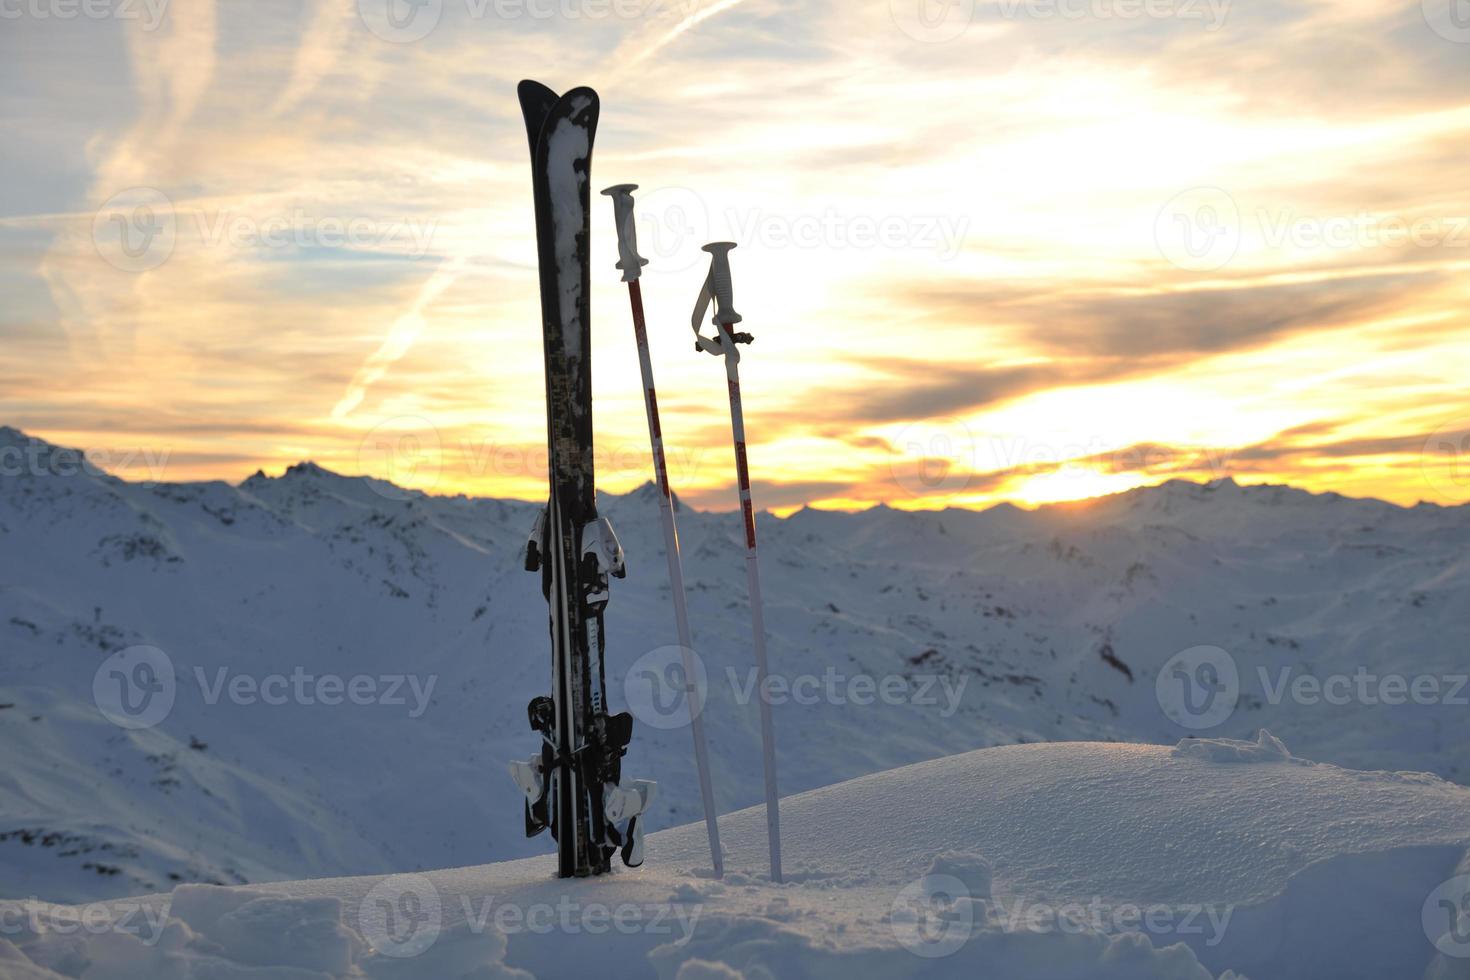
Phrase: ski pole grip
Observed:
(629, 261)
(724, 291)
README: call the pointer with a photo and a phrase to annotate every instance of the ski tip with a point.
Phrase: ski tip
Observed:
(532, 89)
(584, 92)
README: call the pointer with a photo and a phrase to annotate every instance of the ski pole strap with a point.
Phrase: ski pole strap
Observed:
(629, 261)
(718, 289)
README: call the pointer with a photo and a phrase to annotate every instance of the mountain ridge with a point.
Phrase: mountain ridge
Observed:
(311, 469)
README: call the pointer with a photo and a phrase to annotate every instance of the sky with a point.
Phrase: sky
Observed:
(1023, 250)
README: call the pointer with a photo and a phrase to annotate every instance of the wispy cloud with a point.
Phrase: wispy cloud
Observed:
(322, 45)
(691, 14)
(401, 336)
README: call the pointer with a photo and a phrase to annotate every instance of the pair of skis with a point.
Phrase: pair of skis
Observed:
(575, 785)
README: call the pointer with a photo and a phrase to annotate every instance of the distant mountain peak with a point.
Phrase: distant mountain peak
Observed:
(307, 468)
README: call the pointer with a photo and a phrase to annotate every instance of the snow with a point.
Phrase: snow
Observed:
(1064, 860)
(995, 626)
(1266, 748)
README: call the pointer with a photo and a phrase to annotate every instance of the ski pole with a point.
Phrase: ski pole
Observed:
(631, 264)
(718, 288)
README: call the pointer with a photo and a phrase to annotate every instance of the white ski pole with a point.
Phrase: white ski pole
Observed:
(631, 264)
(718, 288)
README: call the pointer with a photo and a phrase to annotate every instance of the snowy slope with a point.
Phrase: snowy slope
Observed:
(989, 628)
(1037, 862)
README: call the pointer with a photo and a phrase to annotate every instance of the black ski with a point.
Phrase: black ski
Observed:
(573, 787)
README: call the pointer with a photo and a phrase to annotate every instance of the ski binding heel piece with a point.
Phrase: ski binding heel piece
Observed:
(536, 543)
(629, 803)
(529, 777)
(600, 543)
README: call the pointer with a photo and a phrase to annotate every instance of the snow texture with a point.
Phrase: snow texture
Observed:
(1039, 862)
(1266, 748)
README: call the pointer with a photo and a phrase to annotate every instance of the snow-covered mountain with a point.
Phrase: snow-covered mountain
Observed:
(336, 659)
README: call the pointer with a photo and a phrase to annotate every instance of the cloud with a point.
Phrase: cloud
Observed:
(692, 14)
(321, 48)
(400, 339)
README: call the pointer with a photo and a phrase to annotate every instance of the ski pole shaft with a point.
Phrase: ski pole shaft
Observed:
(718, 289)
(757, 614)
(676, 582)
(631, 264)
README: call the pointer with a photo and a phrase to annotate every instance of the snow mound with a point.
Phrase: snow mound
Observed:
(1078, 861)
(1266, 748)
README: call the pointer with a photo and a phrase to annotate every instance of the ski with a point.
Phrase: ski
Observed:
(574, 786)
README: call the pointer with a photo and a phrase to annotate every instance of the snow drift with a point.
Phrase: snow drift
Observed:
(1038, 862)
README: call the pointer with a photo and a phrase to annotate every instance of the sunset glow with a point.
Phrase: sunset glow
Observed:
(1026, 257)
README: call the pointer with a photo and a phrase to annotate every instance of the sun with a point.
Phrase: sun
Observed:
(1072, 482)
